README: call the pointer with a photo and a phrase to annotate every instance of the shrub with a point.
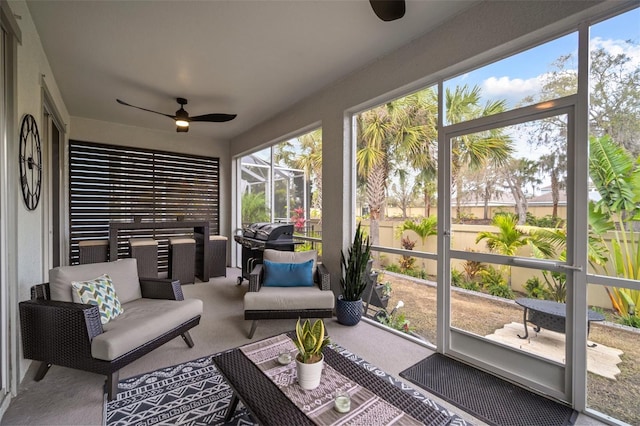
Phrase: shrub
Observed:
(393, 268)
(556, 285)
(472, 268)
(630, 320)
(536, 289)
(397, 321)
(495, 284)
(547, 221)
(407, 263)
(386, 289)
(470, 285)
(456, 278)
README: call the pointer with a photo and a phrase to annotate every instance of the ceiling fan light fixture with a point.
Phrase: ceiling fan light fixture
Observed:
(182, 118)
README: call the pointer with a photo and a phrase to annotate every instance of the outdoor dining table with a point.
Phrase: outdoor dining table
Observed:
(550, 315)
(198, 227)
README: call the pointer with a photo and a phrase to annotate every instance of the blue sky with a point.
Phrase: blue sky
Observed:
(515, 77)
(520, 75)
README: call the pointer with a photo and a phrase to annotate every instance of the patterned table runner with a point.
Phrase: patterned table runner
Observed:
(317, 404)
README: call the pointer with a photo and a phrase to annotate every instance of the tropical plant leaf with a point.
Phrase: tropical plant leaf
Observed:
(610, 168)
(354, 265)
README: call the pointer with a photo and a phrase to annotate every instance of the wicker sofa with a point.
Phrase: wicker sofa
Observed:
(262, 302)
(56, 329)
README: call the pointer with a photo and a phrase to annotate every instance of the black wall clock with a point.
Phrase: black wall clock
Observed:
(30, 162)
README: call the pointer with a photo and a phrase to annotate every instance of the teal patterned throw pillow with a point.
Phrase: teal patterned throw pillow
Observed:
(100, 292)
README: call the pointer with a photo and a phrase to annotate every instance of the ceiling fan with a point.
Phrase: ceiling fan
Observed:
(388, 10)
(182, 118)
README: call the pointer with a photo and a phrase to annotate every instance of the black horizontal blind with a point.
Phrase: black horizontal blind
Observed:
(115, 183)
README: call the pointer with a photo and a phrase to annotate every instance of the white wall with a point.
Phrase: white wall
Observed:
(32, 64)
(472, 37)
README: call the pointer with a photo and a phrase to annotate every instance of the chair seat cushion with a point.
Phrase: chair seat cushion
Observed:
(142, 321)
(278, 274)
(288, 298)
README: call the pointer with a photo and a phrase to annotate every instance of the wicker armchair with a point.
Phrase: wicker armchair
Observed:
(62, 333)
(288, 302)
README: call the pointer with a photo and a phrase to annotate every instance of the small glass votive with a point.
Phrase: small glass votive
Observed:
(284, 358)
(342, 403)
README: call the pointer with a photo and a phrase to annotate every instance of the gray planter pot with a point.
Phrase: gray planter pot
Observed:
(348, 312)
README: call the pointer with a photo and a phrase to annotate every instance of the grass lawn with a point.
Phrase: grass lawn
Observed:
(481, 315)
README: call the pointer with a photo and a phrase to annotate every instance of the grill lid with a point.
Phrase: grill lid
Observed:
(266, 231)
(274, 231)
(252, 229)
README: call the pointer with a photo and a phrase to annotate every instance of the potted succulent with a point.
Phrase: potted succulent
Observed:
(353, 281)
(310, 340)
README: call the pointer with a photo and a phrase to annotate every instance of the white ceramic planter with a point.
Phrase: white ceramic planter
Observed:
(309, 374)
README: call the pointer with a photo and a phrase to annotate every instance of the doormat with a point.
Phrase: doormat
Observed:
(485, 396)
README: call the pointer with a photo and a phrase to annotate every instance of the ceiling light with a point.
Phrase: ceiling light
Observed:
(182, 123)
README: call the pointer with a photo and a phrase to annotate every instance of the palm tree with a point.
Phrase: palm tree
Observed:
(310, 160)
(426, 184)
(555, 164)
(403, 128)
(425, 228)
(254, 208)
(510, 238)
(476, 150)
(304, 152)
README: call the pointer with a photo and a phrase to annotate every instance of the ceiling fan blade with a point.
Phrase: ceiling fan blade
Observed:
(213, 118)
(144, 109)
(388, 10)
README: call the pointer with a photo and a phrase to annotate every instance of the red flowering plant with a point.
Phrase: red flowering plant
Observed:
(298, 219)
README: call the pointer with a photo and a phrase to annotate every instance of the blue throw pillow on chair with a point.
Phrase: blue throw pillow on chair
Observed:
(278, 274)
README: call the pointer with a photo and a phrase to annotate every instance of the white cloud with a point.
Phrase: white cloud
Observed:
(511, 88)
(617, 47)
(514, 89)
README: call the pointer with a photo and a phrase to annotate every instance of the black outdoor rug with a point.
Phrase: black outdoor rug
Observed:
(193, 393)
(487, 397)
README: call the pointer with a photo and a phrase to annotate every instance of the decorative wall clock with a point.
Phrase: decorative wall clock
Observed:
(30, 162)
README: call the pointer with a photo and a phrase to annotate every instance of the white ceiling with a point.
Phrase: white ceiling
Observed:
(251, 58)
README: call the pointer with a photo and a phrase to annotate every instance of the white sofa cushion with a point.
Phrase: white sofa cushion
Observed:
(143, 320)
(123, 273)
(288, 298)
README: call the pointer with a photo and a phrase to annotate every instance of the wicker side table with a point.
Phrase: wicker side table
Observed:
(145, 251)
(93, 251)
(182, 259)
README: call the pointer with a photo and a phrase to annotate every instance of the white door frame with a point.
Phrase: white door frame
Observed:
(51, 117)
(543, 375)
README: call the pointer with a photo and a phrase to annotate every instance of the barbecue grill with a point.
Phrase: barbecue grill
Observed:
(257, 237)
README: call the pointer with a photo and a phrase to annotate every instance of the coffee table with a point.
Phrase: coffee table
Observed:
(269, 406)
